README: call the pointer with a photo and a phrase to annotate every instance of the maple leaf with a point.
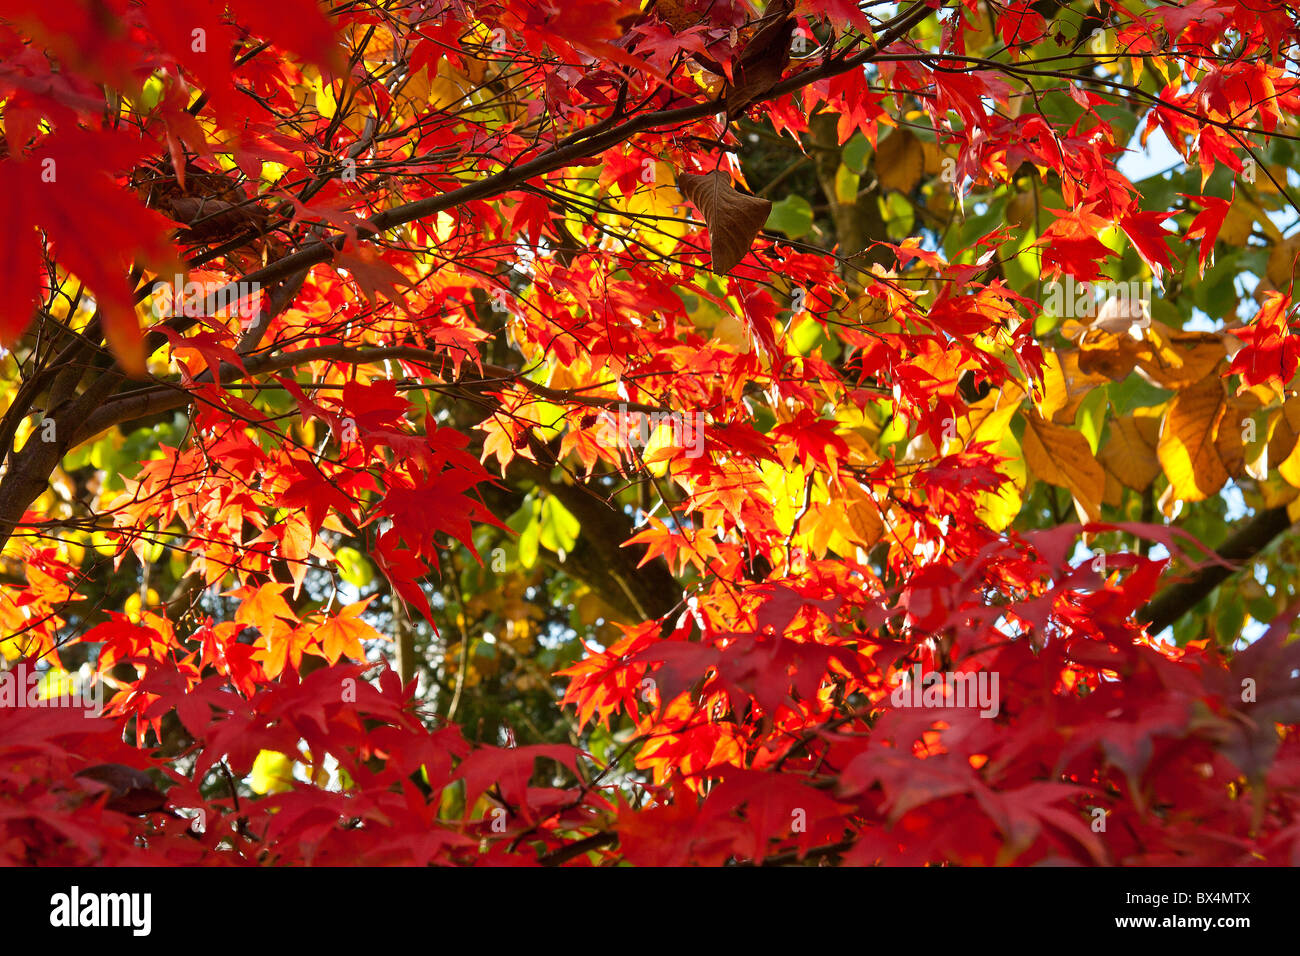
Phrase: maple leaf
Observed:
(841, 13)
(62, 188)
(882, 426)
(1207, 224)
(1271, 351)
(341, 635)
(1264, 690)
(212, 347)
(1143, 230)
(775, 806)
(510, 768)
(1070, 245)
(263, 605)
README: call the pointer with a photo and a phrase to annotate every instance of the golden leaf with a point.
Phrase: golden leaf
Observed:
(1281, 267)
(1130, 452)
(1284, 430)
(1065, 385)
(1110, 354)
(1061, 456)
(1177, 359)
(900, 161)
(1233, 430)
(1188, 447)
(863, 516)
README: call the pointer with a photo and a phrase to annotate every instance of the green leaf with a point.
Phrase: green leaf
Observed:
(559, 528)
(526, 522)
(1091, 416)
(792, 215)
(855, 153)
(900, 218)
(1229, 618)
(354, 568)
(1135, 392)
(846, 185)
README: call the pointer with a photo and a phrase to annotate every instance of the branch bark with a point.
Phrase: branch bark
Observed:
(1177, 599)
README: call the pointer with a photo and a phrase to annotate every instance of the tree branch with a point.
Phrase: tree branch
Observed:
(161, 398)
(1177, 599)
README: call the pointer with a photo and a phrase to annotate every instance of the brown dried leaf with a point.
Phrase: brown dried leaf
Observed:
(734, 219)
(764, 58)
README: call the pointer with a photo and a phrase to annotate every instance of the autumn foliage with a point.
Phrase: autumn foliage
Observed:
(564, 431)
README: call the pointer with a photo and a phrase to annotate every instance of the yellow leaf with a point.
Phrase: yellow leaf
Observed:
(731, 331)
(988, 418)
(1239, 222)
(1130, 452)
(1275, 490)
(450, 90)
(272, 773)
(863, 517)
(900, 161)
(1283, 432)
(998, 511)
(861, 453)
(1061, 456)
(657, 223)
(846, 185)
(1281, 267)
(1187, 449)
(1065, 385)
(1177, 359)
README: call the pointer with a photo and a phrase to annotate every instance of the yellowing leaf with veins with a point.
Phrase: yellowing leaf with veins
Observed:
(1188, 449)
(655, 218)
(999, 510)
(1130, 451)
(1061, 456)
(1065, 386)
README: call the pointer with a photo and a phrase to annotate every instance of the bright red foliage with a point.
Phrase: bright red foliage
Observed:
(815, 573)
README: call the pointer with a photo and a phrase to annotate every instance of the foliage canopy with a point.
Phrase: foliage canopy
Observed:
(568, 432)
